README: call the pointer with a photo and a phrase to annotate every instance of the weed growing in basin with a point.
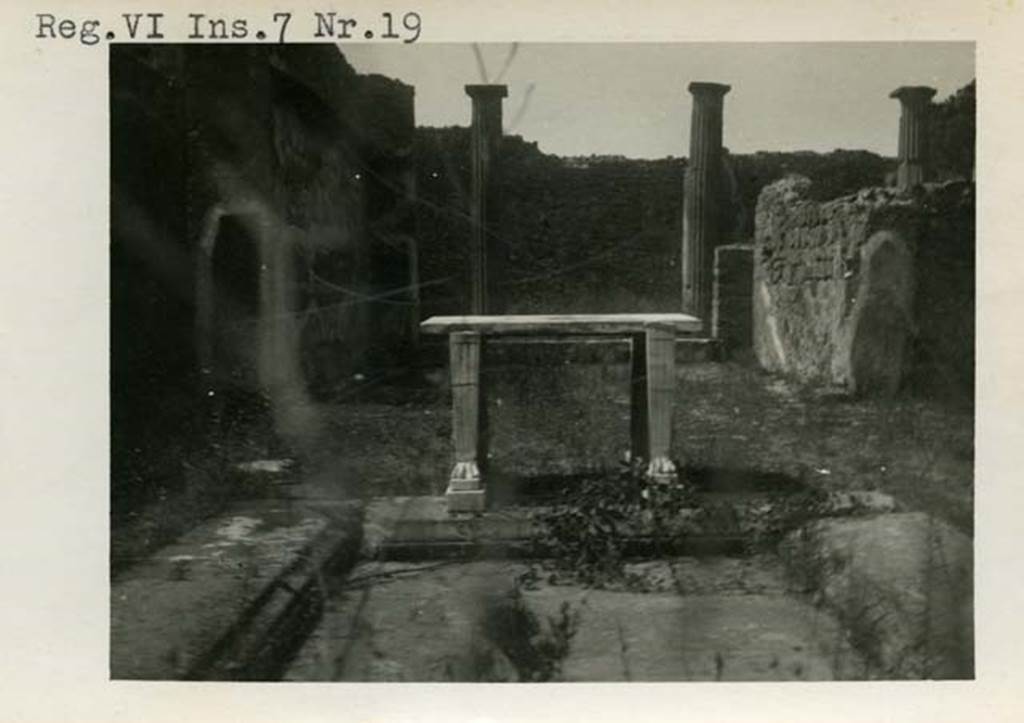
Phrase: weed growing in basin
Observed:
(587, 533)
(535, 649)
(587, 530)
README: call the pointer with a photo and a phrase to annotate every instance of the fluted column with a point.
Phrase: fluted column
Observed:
(701, 198)
(915, 101)
(485, 255)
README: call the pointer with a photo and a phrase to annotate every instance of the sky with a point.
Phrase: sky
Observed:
(630, 99)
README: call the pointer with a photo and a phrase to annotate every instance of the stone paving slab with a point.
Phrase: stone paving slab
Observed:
(423, 519)
(424, 622)
(626, 636)
(902, 583)
(403, 622)
(223, 601)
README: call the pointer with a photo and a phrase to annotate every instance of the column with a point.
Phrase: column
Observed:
(465, 485)
(485, 255)
(915, 100)
(661, 389)
(701, 198)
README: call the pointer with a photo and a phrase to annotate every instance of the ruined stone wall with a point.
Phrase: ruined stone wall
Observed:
(844, 291)
(253, 188)
(732, 300)
(942, 361)
(296, 162)
(598, 235)
(593, 237)
(151, 266)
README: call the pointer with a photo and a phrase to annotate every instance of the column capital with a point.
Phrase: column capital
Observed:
(913, 94)
(708, 90)
(486, 91)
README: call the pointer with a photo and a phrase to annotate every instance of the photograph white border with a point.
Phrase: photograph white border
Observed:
(54, 359)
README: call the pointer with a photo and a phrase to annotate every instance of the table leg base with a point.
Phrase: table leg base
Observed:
(465, 500)
(465, 476)
(663, 470)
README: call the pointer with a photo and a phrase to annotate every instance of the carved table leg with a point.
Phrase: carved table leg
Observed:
(465, 485)
(638, 433)
(661, 386)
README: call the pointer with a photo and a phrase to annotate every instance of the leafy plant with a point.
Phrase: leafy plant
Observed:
(535, 649)
(586, 532)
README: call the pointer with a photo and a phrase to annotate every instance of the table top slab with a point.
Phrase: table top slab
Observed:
(561, 324)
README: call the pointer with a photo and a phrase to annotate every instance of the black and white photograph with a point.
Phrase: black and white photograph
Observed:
(542, 362)
(426, 362)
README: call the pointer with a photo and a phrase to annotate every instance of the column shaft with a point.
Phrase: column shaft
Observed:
(701, 198)
(485, 253)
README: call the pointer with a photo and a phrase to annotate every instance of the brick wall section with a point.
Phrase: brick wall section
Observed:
(732, 302)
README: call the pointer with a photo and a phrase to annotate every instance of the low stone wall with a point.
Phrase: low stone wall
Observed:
(836, 284)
